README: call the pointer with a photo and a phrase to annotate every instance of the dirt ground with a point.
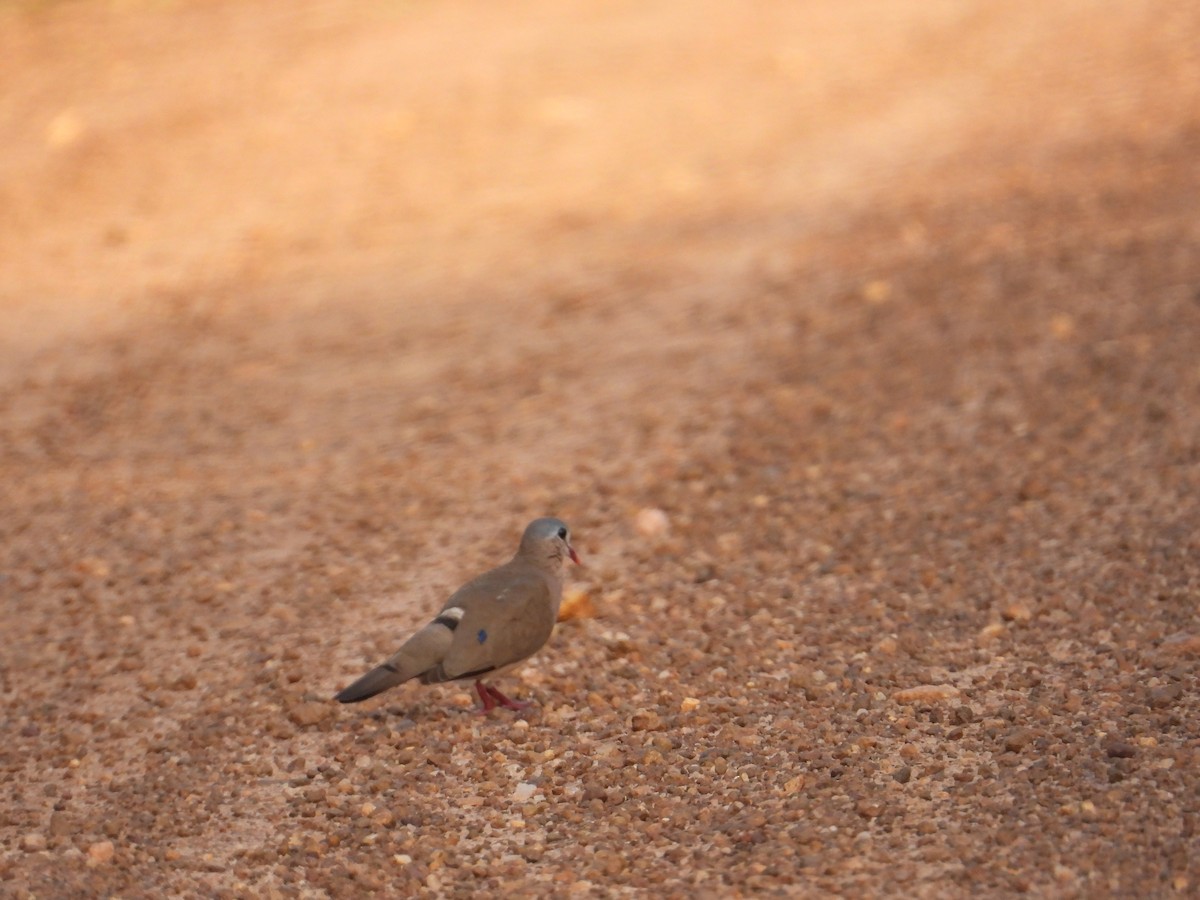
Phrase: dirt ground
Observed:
(891, 308)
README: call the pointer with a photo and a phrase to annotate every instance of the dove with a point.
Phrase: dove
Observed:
(490, 625)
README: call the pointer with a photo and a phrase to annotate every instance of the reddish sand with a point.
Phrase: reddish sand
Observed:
(892, 308)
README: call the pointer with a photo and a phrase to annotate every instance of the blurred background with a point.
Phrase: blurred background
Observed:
(872, 322)
(167, 152)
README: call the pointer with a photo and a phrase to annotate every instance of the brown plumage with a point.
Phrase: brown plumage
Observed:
(490, 625)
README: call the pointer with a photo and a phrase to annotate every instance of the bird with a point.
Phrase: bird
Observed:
(489, 626)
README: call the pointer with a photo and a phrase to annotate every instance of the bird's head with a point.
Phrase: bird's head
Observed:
(548, 540)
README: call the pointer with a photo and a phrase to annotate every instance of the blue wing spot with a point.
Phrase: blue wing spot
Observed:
(482, 636)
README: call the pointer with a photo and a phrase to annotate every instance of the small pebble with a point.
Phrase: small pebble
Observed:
(887, 646)
(927, 693)
(576, 604)
(310, 713)
(100, 853)
(990, 633)
(1117, 749)
(1018, 739)
(651, 523)
(645, 720)
(1018, 611)
(1164, 695)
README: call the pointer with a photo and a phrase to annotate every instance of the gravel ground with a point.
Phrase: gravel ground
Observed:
(857, 342)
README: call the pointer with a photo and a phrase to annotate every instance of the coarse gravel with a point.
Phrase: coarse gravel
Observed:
(876, 427)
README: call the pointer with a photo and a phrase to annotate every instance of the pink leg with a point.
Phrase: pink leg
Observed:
(506, 702)
(485, 698)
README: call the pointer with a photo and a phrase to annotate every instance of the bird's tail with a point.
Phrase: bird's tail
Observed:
(420, 653)
(377, 680)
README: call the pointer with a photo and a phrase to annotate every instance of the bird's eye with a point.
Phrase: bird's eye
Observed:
(562, 533)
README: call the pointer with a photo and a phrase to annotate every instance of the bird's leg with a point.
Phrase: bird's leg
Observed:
(506, 702)
(485, 698)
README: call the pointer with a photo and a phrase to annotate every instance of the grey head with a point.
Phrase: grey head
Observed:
(547, 542)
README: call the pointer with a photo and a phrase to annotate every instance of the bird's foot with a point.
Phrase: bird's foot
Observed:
(490, 697)
(485, 697)
(506, 702)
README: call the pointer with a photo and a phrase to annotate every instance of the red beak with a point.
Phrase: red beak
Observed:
(574, 555)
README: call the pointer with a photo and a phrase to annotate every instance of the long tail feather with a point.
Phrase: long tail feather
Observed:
(420, 653)
(377, 680)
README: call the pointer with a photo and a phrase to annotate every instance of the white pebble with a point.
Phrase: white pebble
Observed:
(651, 522)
